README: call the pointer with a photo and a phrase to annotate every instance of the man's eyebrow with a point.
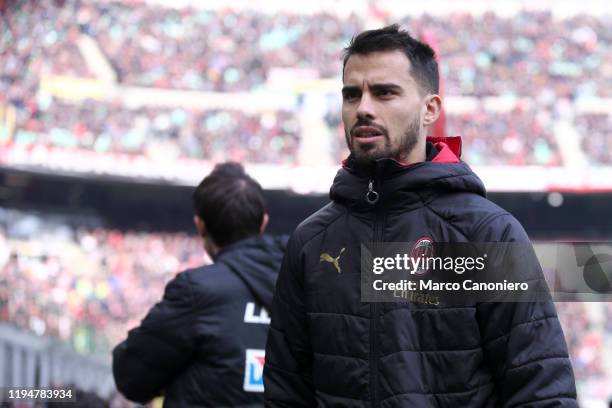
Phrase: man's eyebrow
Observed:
(375, 87)
(349, 88)
(385, 86)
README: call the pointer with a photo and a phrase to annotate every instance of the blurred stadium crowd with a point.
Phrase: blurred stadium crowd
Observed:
(531, 55)
(84, 284)
(270, 137)
(528, 55)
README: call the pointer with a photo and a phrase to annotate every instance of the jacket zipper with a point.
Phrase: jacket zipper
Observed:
(372, 197)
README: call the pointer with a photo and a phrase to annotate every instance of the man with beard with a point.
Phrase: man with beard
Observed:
(326, 347)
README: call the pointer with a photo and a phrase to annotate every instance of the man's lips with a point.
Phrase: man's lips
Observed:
(367, 134)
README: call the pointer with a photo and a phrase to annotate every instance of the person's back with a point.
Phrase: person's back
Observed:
(203, 344)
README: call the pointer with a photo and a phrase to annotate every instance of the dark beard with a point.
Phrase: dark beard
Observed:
(365, 159)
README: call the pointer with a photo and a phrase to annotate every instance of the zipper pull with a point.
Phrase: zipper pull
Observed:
(371, 195)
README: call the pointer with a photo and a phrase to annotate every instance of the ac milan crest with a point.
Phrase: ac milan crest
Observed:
(422, 250)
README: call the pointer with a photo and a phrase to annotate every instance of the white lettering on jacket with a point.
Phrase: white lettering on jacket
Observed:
(251, 317)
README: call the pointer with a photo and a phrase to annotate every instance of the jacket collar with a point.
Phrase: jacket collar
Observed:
(402, 185)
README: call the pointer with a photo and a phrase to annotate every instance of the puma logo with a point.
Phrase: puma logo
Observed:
(334, 261)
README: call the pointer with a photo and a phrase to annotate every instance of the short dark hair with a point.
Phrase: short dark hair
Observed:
(424, 67)
(230, 203)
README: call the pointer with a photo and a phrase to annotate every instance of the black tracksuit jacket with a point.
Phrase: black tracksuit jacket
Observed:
(203, 345)
(326, 348)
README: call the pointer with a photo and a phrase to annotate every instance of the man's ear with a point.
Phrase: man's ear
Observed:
(264, 223)
(200, 226)
(433, 108)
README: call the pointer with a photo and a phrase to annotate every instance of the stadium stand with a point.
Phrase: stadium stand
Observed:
(597, 141)
(216, 135)
(532, 55)
(166, 48)
(529, 54)
(84, 285)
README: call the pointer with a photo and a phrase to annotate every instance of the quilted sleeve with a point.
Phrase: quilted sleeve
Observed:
(160, 347)
(288, 365)
(523, 342)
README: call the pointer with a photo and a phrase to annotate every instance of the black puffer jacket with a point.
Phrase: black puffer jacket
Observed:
(328, 349)
(203, 344)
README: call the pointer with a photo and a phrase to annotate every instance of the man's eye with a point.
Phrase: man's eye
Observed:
(350, 96)
(385, 93)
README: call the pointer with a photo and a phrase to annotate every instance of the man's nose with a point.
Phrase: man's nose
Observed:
(365, 109)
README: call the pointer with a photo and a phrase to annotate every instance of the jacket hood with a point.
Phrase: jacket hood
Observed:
(393, 184)
(256, 261)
